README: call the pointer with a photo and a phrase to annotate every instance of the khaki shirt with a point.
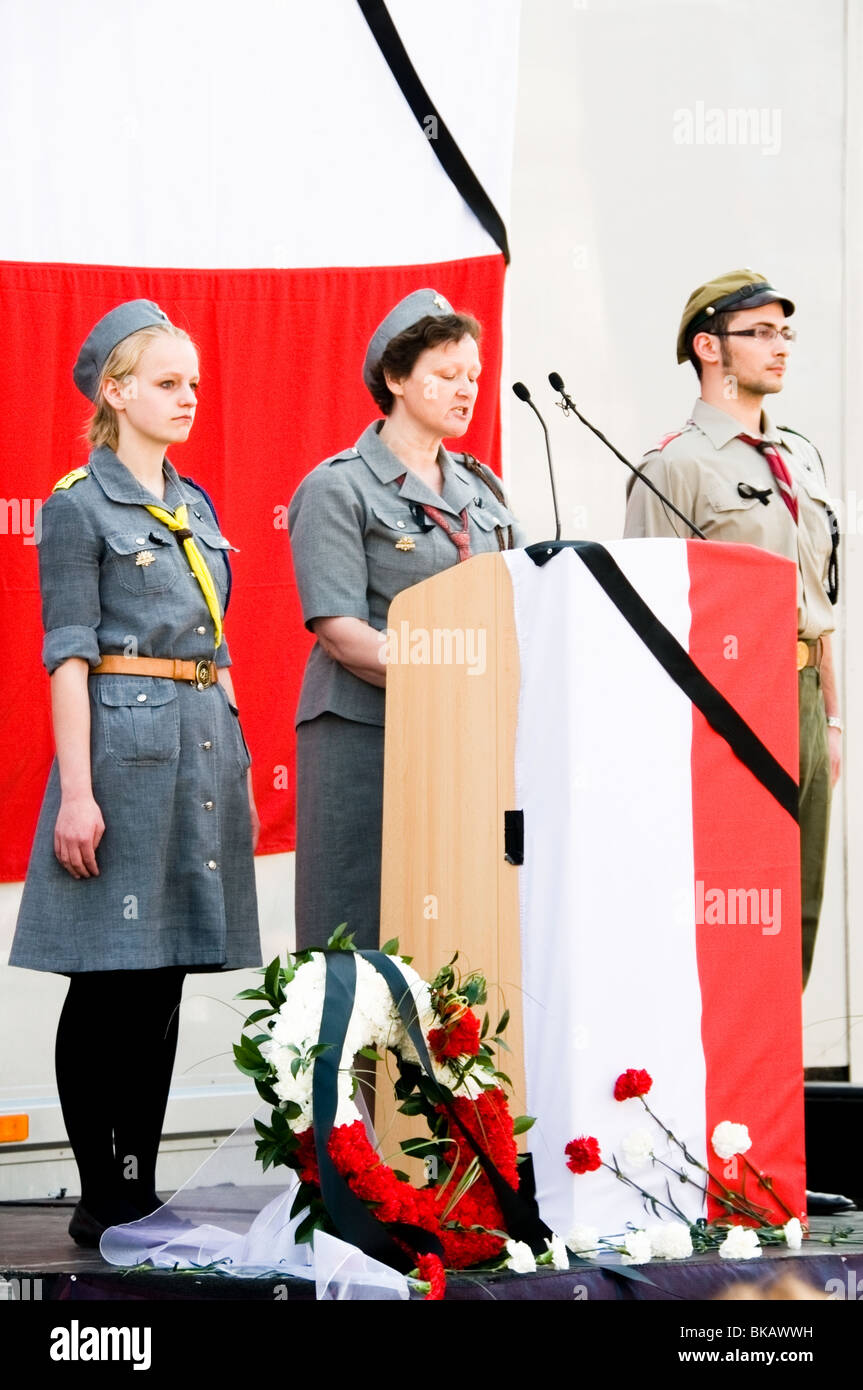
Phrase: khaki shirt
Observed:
(700, 468)
(358, 537)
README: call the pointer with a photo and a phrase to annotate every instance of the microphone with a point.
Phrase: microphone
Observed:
(524, 395)
(567, 404)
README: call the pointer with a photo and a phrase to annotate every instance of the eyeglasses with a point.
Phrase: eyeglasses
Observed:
(762, 332)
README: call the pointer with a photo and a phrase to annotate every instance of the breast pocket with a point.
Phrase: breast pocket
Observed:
(744, 518)
(140, 719)
(395, 541)
(214, 549)
(487, 520)
(142, 565)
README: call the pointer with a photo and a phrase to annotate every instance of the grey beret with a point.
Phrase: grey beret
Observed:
(419, 305)
(120, 323)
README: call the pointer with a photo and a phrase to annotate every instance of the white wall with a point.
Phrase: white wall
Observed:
(614, 223)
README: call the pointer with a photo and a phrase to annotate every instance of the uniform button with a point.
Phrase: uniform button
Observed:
(211, 864)
(208, 805)
(140, 540)
(400, 525)
(208, 745)
(200, 631)
(140, 699)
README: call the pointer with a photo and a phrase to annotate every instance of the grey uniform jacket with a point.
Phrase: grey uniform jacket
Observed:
(176, 881)
(359, 537)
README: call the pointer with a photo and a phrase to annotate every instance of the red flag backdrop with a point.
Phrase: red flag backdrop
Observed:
(281, 353)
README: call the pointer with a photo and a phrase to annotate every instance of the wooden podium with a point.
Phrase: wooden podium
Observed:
(518, 688)
(448, 779)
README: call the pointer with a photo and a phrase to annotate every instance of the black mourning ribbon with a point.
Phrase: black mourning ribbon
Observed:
(748, 492)
(676, 661)
(348, 1213)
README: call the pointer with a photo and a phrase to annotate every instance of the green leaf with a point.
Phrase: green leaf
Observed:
(307, 1227)
(391, 947)
(499, 1042)
(484, 1029)
(271, 978)
(295, 1066)
(257, 1016)
(412, 1106)
(341, 939)
(371, 1053)
(503, 1022)
(420, 1148)
(522, 1123)
(251, 994)
(318, 1049)
(502, 1076)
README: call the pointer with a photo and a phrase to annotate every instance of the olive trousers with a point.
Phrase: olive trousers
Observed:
(814, 806)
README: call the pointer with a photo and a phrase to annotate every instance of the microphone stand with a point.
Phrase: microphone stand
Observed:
(567, 404)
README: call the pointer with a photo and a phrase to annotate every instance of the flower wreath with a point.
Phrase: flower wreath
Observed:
(323, 1009)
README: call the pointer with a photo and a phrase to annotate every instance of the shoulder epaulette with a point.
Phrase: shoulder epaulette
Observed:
(344, 456)
(786, 429)
(70, 478)
(666, 439)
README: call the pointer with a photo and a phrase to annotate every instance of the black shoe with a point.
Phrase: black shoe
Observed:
(828, 1203)
(85, 1229)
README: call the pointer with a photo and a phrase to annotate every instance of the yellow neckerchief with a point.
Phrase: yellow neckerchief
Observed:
(176, 521)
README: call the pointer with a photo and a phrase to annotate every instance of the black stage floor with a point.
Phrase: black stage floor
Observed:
(38, 1261)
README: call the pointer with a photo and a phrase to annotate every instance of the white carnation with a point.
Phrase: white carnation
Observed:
(638, 1249)
(671, 1241)
(741, 1243)
(793, 1233)
(582, 1239)
(521, 1260)
(637, 1148)
(559, 1257)
(730, 1139)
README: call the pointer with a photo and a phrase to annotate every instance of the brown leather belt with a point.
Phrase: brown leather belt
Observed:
(809, 653)
(198, 673)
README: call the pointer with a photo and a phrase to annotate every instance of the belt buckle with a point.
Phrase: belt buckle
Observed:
(203, 676)
(802, 655)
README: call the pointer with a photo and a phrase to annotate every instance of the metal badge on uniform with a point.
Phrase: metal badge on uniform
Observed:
(406, 543)
(144, 557)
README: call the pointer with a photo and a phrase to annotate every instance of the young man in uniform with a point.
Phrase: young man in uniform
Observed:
(740, 478)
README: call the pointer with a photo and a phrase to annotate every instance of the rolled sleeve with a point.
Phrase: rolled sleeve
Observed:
(61, 643)
(326, 521)
(69, 559)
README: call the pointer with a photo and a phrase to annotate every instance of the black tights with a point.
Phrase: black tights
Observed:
(116, 1043)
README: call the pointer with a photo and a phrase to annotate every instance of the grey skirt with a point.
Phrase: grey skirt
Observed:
(340, 776)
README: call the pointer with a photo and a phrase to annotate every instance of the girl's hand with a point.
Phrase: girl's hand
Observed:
(77, 833)
(834, 741)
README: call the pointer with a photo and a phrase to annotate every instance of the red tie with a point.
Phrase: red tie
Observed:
(460, 539)
(779, 469)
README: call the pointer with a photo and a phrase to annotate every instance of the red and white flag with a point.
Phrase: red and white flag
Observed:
(660, 890)
(276, 177)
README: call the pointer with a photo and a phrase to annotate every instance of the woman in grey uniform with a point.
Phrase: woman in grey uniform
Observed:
(365, 524)
(142, 867)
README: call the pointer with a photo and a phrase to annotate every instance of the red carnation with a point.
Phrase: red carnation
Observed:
(458, 1039)
(582, 1155)
(431, 1270)
(632, 1083)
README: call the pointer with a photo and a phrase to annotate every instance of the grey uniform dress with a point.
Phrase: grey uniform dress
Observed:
(347, 520)
(176, 884)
